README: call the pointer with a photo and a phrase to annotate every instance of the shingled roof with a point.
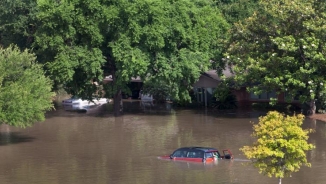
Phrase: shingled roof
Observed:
(213, 74)
(210, 73)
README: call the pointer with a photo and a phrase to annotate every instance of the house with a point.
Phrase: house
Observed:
(206, 85)
(209, 81)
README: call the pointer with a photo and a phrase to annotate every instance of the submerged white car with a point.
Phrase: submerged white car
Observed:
(77, 104)
(78, 101)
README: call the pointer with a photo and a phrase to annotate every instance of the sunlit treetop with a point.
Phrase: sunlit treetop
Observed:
(280, 146)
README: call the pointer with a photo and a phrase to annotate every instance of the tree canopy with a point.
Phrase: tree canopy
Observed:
(17, 22)
(280, 146)
(25, 92)
(237, 10)
(162, 41)
(282, 47)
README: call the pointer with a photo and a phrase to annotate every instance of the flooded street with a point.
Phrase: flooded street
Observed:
(94, 147)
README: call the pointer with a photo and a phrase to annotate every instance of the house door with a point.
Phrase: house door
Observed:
(202, 96)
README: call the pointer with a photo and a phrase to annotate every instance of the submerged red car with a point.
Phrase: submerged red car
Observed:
(198, 154)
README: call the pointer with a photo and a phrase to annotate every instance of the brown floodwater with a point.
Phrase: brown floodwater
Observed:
(95, 147)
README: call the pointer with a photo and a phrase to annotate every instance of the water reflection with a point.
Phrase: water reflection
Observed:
(148, 107)
(82, 107)
(98, 148)
(7, 138)
(198, 165)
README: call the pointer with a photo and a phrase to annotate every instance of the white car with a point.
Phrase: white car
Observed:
(79, 101)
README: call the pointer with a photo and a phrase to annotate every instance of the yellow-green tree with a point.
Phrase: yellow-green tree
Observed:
(280, 146)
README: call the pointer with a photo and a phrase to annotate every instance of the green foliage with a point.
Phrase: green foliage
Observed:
(193, 103)
(237, 10)
(17, 22)
(282, 47)
(69, 40)
(25, 92)
(169, 43)
(280, 146)
(224, 98)
(158, 90)
(161, 41)
(321, 104)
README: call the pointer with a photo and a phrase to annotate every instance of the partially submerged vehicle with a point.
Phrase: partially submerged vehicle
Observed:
(198, 154)
(78, 101)
(77, 104)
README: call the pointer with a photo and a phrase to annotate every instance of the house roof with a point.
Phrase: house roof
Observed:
(213, 74)
(133, 79)
(210, 73)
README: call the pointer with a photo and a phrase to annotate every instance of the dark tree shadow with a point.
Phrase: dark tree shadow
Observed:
(7, 138)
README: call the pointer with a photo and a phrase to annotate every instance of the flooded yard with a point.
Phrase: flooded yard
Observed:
(95, 147)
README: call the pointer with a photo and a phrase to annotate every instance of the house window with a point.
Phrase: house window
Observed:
(263, 96)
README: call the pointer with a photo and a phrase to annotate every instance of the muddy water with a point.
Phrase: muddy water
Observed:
(94, 147)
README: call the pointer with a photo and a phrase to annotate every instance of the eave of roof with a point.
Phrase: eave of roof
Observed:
(210, 73)
(133, 79)
(213, 74)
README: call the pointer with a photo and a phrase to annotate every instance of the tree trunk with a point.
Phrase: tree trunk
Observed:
(279, 180)
(117, 104)
(311, 108)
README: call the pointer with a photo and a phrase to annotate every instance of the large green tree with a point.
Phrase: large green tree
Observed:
(17, 22)
(25, 91)
(282, 47)
(281, 145)
(162, 41)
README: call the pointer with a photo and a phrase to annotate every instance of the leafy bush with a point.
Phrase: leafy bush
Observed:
(224, 98)
(280, 145)
(25, 92)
